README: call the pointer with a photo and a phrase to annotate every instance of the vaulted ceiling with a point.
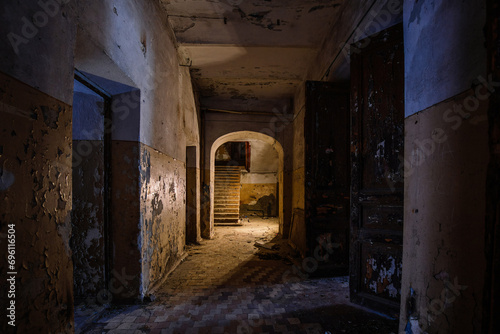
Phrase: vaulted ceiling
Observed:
(249, 54)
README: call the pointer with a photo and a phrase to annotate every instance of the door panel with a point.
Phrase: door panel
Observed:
(377, 143)
(327, 176)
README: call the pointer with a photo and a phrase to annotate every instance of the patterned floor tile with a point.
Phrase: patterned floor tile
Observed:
(224, 286)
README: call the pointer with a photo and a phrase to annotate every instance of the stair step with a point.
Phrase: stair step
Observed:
(227, 195)
(226, 215)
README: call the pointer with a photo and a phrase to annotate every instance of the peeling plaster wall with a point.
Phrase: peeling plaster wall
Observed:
(135, 38)
(126, 227)
(35, 187)
(446, 157)
(35, 162)
(163, 200)
(134, 35)
(259, 187)
(87, 240)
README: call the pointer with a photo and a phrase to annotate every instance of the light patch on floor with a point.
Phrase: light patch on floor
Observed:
(227, 285)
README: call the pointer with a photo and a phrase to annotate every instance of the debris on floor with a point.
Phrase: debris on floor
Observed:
(228, 285)
(268, 245)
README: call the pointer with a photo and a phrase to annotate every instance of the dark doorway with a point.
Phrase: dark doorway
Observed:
(377, 143)
(327, 177)
(91, 199)
(233, 154)
(192, 195)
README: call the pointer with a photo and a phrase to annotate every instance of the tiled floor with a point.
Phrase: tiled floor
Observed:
(227, 285)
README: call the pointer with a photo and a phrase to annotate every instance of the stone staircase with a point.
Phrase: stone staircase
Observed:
(227, 195)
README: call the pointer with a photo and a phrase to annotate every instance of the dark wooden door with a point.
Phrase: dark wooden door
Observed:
(327, 176)
(377, 135)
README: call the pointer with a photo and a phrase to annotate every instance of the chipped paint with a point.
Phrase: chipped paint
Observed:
(163, 214)
(379, 277)
(36, 177)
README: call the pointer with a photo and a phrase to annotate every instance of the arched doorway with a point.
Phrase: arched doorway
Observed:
(247, 136)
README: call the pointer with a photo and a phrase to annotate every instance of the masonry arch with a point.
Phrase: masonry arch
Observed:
(246, 136)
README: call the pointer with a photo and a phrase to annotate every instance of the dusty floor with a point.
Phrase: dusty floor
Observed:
(228, 285)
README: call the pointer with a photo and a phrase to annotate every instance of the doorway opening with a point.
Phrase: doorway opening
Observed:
(192, 195)
(246, 173)
(104, 112)
(91, 212)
